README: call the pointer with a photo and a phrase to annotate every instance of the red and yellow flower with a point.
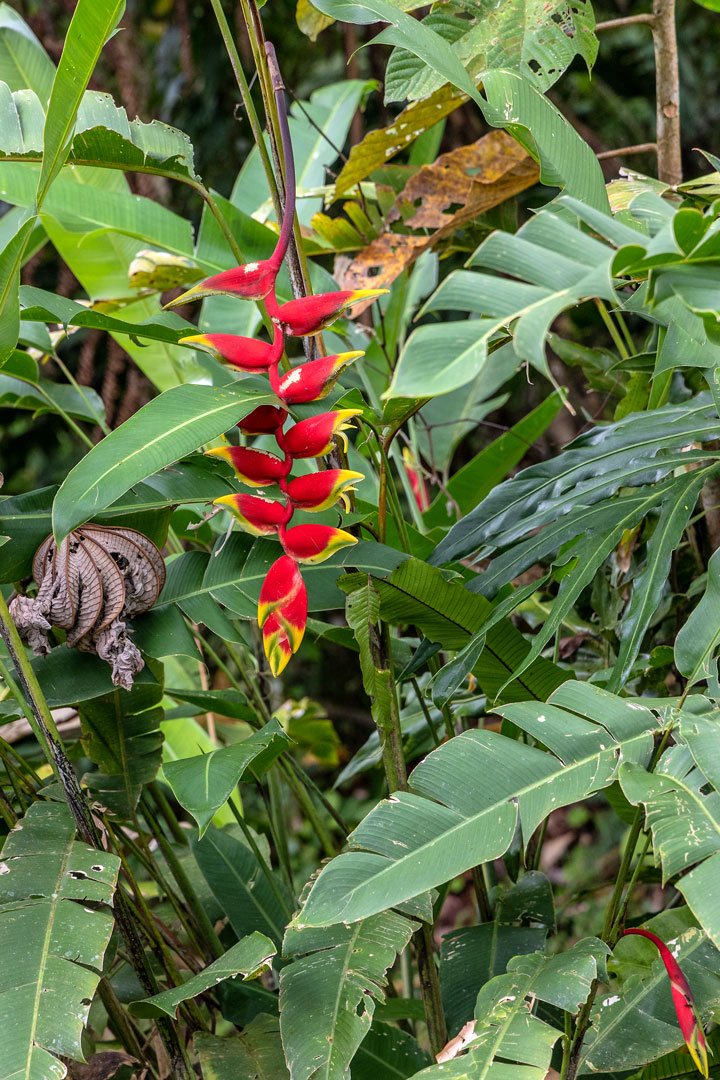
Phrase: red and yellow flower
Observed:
(282, 608)
(683, 1000)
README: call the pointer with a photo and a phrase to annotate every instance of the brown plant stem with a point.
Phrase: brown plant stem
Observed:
(667, 92)
(626, 20)
(626, 151)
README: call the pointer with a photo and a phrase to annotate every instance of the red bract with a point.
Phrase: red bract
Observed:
(311, 314)
(314, 380)
(417, 480)
(314, 437)
(244, 353)
(315, 543)
(254, 467)
(321, 490)
(263, 421)
(253, 281)
(683, 1000)
(282, 584)
(282, 608)
(256, 515)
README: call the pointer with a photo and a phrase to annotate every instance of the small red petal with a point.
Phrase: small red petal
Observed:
(254, 467)
(256, 515)
(311, 314)
(313, 380)
(684, 1002)
(243, 353)
(253, 281)
(314, 437)
(321, 490)
(315, 543)
(263, 421)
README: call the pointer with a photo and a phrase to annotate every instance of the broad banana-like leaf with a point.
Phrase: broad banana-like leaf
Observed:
(248, 957)
(682, 806)
(52, 943)
(328, 993)
(465, 799)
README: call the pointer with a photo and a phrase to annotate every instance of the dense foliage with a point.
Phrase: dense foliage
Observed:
(408, 765)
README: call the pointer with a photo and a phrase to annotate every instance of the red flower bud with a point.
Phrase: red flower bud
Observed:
(320, 490)
(242, 352)
(256, 515)
(254, 467)
(253, 281)
(282, 612)
(314, 437)
(313, 380)
(263, 421)
(417, 480)
(311, 314)
(315, 543)
(282, 585)
(683, 1000)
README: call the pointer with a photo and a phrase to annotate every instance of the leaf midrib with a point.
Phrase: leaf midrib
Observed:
(562, 770)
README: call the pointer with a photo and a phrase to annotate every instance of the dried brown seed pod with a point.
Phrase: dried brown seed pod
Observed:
(96, 579)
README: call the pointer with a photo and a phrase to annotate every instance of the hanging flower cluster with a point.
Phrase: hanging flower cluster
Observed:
(282, 610)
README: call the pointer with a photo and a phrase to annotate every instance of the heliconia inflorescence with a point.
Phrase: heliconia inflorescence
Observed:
(688, 1019)
(282, 610)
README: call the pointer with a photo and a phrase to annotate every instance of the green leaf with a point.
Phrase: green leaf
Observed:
(24, 64)
(11, 259)
(566, 160)
(684, 816)
(202, 784)
(328, 994)
(537, 39)
(465, 800)
(471, 483)
(633, 1020)
(635, 450)
(167, 428)
(446, 612)
(92, 23)
(241, 887)
(46, 396)
(52, 941)
(69, 677)
(255, 1054)
(505, 1026)
(408, 33)
(472, 955)
(649, 585)
(123, 738)
(387, 1053)
(41, 306)
(249, 958)
(697, 640)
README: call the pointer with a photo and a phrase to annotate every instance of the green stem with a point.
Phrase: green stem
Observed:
(612, 329)
(430, 987)
(267, 871)
(425, 711)
(279, 826)
(120, 1023)
(66, 417)
(205, 926)
(27, 709)
(99, 418)
(247, 100)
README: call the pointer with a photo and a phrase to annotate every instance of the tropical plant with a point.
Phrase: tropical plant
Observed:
(431, 789)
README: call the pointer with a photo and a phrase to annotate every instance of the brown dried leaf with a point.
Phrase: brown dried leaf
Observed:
(138, 566)
(455, 189)
(475, 178)
(101, 1066)
(379, 146)
(90, 593)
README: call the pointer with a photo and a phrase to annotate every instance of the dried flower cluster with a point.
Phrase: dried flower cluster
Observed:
(89, 586)
(282, 611)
